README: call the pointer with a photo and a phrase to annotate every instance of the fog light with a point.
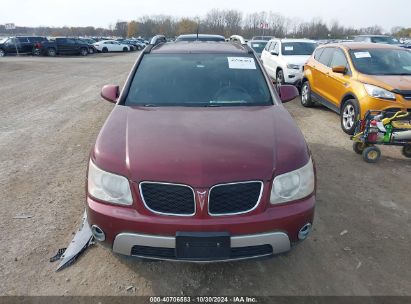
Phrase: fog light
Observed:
(304, 232)
(98, 233)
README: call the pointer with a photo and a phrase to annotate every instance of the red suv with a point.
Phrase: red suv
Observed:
(199, 161)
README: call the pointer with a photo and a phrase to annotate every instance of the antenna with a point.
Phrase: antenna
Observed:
(198, 27)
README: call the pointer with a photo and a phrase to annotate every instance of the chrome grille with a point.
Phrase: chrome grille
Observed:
(168, 199)
(234, 198)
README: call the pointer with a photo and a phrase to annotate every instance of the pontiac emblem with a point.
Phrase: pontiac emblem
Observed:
(201, 198)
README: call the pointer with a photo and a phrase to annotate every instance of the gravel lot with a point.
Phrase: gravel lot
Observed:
(51, 114)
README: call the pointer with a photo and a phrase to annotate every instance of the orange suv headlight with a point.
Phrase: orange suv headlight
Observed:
(378, 92)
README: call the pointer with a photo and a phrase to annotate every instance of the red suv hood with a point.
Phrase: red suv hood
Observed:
(200, 146)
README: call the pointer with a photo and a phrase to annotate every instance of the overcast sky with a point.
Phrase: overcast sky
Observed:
(358, 13)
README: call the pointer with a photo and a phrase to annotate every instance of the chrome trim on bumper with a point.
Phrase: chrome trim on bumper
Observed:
(279, 241)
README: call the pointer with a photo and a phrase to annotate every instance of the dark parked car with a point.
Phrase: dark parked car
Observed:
(200, 37)
(89, 42)
(63, 46)
(20, 45)
(199, 160)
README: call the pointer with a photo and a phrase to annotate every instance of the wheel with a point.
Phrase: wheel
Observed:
(125, 49)
(359, 147)
(349, 116)
(406, 151)
(104, 50)
(83, 52)
(306, 100)
(51, 52)
(371, 154)
(2, 53)
(279, 79)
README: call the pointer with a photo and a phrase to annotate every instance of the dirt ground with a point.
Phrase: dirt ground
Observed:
(50, 115)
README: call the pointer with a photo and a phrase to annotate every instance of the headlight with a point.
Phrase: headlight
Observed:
(108, 187)
(293, 66)
(293, 185)
(378, 92)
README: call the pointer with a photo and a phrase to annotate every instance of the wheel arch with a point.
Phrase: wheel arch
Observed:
(348, 96)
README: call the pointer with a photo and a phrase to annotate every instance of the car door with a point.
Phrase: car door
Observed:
(322, 71)
(338, 83)
(265, 53)
(72, 47)
(24, 45)
(11, 47)
(269, 62)
(62, 46)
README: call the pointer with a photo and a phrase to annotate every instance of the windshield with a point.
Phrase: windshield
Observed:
(298, 48)
(258, 47)
(382, 39)
(198, 80)
(382, 61)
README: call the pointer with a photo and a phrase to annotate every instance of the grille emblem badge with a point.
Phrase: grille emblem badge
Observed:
(201, 197)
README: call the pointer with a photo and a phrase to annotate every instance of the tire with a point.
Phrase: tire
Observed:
(349, 115)
(371, 154)
(306, 99)
(104, 50)
(51, 52)
(279, 78)
(2, 53)
(406, 151)
(359, 147)
(83, 52)
(125, 49)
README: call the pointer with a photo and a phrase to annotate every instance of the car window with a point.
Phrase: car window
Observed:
(258, 46)
(359, 39)
(382, 61)
(318, 53)
(384, 39)
(339, 59)
(277, 48)
(326, 55)
(268, 46)
(22, 39)
(297, 48)
(198, 80)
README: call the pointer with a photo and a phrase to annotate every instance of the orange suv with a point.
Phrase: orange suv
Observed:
(352, 78)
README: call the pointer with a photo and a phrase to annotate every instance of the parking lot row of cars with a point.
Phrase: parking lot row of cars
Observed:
(37, 45)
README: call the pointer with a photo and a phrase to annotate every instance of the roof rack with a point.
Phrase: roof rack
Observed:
(156, 40)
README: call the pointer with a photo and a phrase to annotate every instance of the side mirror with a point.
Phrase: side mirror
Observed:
(110, 93)
(339, 69)
(287, 93)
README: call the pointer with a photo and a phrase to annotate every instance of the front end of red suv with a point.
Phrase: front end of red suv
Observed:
(221, 179)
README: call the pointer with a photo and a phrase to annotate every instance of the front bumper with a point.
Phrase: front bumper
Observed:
(269, 230)
(164, 247)
(293, 77)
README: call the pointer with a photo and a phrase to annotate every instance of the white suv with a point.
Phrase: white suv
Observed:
(284, 59)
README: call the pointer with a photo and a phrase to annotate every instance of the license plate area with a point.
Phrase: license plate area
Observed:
(203, 245)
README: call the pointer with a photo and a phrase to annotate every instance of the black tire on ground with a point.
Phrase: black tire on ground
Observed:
(51, 52)
(349, 115)
(406, 151)
(104, 50)
(83, 52)
(125, 49)
(306, 99)
(359, 147)
(2, 53)
(279, 79)
(371, 154)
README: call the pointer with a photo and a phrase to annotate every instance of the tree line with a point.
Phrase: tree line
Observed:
(216, 21)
